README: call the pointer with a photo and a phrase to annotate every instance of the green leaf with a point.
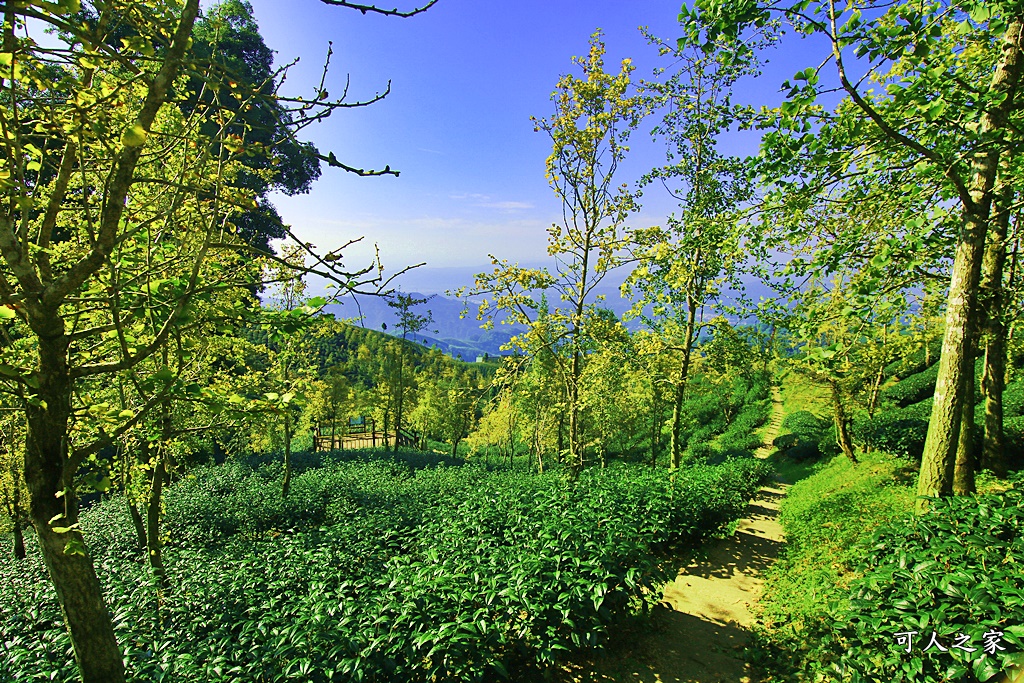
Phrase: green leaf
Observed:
(134, 136)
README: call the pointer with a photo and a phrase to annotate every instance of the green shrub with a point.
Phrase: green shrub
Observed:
(376, 570)
(806, 423)
(826, 517)
(954, 570)
(892, 431)
(915, 361)
(1013, 400)
(912, 389)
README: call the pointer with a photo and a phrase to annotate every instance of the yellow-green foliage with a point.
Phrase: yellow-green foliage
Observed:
(824, 517)
(800, 393)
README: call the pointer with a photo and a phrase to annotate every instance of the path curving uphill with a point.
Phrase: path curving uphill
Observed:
(703, 621)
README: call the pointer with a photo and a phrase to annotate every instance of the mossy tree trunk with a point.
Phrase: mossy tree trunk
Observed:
(941, 445)
(841, 421)
(49, 474)
(993, 378)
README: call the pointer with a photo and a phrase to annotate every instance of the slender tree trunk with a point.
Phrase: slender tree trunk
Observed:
(842, 422)
(19, 537)
(676, 445)
(939, 457)
(993, 450)
(153, 516)
(963, 470)
(287, 481)
(140, 526)
(50, 480)
(684, 373)
(575, 445)
(561, 435)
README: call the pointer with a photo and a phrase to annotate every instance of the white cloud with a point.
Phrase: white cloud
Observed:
(505, 206)
(485, 201)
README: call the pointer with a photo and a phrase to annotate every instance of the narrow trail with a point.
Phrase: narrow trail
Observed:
(702, 623)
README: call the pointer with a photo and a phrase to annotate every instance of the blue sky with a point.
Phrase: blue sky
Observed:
(466, 77)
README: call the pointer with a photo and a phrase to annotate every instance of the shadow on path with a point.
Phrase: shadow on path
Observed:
(698, 631)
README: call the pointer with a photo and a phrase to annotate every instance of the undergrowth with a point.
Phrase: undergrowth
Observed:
(376, 570)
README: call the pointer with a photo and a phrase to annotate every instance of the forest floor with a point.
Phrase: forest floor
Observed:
(700, 628)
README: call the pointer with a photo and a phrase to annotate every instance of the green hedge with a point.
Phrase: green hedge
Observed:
(953, 570)
(912, 389)
(375, 571)
(914, 362)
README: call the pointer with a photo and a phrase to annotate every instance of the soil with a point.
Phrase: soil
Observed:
(698, 632)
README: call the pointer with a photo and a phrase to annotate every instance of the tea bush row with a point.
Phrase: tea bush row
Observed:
(375, 571)
(954, 570)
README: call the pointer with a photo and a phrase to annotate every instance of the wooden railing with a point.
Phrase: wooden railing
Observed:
(361, 434)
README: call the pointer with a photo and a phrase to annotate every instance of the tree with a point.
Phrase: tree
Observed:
(116, 220)
(447, 405)
(409, 322)
(593, 118)
(951, 73)
(12, 482)
(682, 267)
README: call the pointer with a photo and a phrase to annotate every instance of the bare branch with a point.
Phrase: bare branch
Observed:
(377, 10)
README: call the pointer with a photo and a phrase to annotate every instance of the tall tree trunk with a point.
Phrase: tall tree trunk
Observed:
(19, 537)
(842, 422)
(993, 377)
(675, 444)
(575, 445)
(153, 516)
(561, 435)
(19, 540)
(939, 458)
(54, 509)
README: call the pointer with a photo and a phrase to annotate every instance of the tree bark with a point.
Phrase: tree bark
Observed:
(842, 422)
(287, 481)
(993, 450)
(575, 446)
(153, 516)
(19, 541)
(19, 537)
(140, 526)
(684, 373)
(50, 480)
(963, 469)
(939, 457)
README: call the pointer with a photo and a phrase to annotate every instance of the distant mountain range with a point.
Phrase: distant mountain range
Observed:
(455, 330)
(453, 334)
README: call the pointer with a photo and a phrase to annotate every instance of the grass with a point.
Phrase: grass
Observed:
(800, 393)
(826, 515)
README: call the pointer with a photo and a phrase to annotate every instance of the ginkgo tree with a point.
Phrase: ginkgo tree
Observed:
(594, 115)
(116, 224)
(934, 90)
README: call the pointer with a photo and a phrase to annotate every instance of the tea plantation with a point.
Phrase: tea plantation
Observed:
(376, 569)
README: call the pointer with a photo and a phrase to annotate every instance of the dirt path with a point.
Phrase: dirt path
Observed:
(703, 621)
